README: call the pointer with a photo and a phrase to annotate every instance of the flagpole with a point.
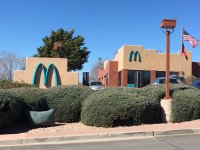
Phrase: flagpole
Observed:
(181, 50)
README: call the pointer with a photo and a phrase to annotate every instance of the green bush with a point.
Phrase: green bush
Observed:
(11, 108)
(119, 106)
(8, 84)
(186, 105)
(34, 98)
(67, 101)
(157, 92)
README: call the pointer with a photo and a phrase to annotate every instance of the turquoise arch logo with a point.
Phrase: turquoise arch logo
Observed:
(134, 55)
(46, 73)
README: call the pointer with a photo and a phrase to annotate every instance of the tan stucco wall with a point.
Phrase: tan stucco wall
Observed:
(152, 60)
(67, 78)
(120, 57)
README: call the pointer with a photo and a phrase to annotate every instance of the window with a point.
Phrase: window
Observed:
(132, 76)
(162, 73)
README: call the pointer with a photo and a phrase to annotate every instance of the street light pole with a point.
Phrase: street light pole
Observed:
(168, 27)
(166, 103)
(167, 96)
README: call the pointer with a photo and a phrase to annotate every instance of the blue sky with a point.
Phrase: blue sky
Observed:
(105, 24)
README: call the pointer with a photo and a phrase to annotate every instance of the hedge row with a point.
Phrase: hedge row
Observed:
(124, 106)
(186, 105)
(67, 101)
(8, 84)
(10, 108)
(108, 108)
(157, 92)
(186, 101)
(119, 106)
(34, 98)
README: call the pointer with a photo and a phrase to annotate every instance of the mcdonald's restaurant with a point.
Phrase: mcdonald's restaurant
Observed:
(134, 66)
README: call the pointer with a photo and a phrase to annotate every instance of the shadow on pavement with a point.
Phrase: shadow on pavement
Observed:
(22, 128)
(16, 129)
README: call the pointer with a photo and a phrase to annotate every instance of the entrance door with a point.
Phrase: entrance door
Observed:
(144, 78)
(138, 79)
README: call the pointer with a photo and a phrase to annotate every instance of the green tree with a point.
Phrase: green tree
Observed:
(72, 48)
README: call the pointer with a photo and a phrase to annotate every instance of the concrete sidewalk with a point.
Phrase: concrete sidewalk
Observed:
(76, 132)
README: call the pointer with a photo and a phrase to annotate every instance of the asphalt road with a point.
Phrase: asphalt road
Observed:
(183, 142)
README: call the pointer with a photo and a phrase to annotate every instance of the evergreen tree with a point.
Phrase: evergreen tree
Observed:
(72, 48)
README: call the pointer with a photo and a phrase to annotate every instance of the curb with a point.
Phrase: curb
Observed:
(88, 138)
(176, 132)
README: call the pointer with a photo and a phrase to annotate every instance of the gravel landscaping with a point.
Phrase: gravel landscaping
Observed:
(81, 129)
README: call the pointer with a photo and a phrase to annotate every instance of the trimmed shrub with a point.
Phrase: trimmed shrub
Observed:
(157, 92)
(11, 108)
(154, 92)
(119, 106)
(8, 84)
(34, 98)
(186, 105)
(67, 101)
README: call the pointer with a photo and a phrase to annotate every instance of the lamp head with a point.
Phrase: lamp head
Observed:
(168, 24)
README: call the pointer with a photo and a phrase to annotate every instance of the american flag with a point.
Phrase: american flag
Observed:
(188, 37)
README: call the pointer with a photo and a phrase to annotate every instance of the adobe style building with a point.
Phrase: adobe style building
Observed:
(46, 72)
(134, 66)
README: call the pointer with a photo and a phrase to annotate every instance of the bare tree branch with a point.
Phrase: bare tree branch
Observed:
(8, 63)
(94, 71)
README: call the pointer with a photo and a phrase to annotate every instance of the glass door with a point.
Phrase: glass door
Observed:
(138, 78)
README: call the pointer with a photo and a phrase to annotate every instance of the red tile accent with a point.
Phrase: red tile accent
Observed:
(113, 73)
(124, 77)
(196, 69)
(152, 76)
